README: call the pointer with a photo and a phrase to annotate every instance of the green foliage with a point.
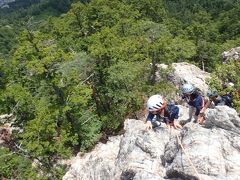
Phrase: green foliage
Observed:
(44, 137)
(7, 40)
(224, 74)
(184, 9)
(14, 166)
(229, 44)
(14, 19)
(79, 69)
(124, 84)
(4, 73)
(164, 88)
(79, 107)
(70, 78)
(3, 77)
(230, 26)
(152, 9)
(51, 100)
(207, 55)
(19, 102)
(91, 17)
(38, 55)
(179, 50)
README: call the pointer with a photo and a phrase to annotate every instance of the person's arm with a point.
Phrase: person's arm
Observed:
(198, 105)
(150, 117)
(207, 105)
(186, 99)
(149, 121)
(174, 118)
(200, 110)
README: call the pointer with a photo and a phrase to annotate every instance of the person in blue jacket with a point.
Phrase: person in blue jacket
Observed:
(217, 100)
(161, 111)
(195, 102)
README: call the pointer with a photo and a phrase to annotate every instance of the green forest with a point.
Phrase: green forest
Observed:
(72, 71)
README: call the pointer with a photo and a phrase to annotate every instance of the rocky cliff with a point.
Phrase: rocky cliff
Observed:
(185, 72)
(210, 152)
(207, 152)
(233, 53)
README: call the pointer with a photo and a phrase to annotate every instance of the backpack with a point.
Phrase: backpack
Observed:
(171, 112)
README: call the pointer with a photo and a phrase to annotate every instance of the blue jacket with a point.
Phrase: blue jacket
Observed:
(223, 100)
(197, 102)
(171, 112)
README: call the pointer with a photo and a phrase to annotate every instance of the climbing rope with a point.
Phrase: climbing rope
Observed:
(189, 160)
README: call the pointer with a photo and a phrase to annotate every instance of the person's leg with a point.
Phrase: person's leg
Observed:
(190, 113)
(201, 118)
(195, 118)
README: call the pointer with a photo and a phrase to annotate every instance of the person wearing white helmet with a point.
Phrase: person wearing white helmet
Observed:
(194, 100)
(158, 108)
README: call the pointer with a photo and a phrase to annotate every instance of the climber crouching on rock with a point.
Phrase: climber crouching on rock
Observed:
(216, 100)
(195, 101)
(161, 111)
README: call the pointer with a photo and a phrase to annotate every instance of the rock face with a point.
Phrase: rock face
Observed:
(5, 129)
(213, 149)
(233, 53)
(210, 152)
(99, 164)
(186, 73)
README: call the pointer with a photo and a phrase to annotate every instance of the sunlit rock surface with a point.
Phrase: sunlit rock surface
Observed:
(213, 150)
(186, 73)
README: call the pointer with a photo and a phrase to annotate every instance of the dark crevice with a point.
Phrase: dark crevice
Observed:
(176, 174)
(127, 175)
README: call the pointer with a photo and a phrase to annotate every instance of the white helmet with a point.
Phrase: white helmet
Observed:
(188, 89)
(231, 84)
(155, 102)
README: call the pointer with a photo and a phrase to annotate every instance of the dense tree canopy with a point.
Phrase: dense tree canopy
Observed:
(72, 71)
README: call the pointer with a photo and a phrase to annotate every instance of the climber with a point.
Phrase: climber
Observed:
(161, 111)
(230, 91)
(195, 101)
(216, 100)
